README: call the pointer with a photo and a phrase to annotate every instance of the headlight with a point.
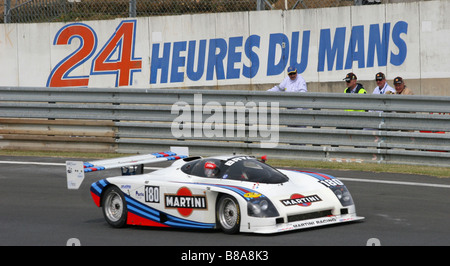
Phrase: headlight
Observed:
(264, 205)
(343, 195)
(261, 208)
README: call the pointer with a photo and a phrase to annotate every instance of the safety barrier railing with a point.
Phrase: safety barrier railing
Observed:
(309, 126)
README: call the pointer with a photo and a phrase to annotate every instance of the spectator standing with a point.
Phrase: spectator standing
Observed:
(292, 83)
(400, 87)
(354, 87)
(352, 84)
(383, 87)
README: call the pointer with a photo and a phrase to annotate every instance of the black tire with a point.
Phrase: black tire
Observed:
(228, 214)
(114, 207)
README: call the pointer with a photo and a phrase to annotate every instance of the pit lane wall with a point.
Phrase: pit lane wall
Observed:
(244, 50)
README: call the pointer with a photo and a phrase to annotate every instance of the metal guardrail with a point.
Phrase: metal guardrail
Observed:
(309, 126)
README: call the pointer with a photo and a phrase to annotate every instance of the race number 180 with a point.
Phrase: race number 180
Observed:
(152, 194)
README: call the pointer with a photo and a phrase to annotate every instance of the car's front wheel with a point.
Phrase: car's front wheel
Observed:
(114, 207)
(228, 214)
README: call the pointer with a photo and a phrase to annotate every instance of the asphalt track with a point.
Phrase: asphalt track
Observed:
(36, 209)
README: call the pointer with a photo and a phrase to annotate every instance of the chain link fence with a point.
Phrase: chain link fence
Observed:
(32, 11)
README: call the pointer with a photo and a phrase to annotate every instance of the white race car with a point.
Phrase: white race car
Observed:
(233, 193)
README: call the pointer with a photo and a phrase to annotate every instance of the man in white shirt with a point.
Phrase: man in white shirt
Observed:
(292, 83)
(383, 87)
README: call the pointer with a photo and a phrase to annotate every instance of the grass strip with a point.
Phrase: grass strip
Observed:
(442, 172)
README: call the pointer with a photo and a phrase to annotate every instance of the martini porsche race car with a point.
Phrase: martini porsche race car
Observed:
(234, 193)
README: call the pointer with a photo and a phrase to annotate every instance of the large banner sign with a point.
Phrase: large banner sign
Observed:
(229, 48)
(217, 59)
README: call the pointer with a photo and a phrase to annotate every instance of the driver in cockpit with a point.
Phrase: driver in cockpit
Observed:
(211, 169)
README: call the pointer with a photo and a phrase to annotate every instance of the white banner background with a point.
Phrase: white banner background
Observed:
(417, 31)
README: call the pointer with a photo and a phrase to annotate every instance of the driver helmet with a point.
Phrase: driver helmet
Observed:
(210, 169)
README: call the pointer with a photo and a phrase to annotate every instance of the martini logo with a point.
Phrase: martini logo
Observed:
(300, 200)
(185, 202)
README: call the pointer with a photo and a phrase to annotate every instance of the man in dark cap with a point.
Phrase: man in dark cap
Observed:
(400, 87)
(353, 87)
(383, 87)
(292, 83)
(352, 84)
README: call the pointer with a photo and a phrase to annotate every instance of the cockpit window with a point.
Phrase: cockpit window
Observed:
(253, 170)
(203, 168)
(187, 167)
(242, 168)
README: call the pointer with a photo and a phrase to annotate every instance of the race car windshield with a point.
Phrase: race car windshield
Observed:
(252, 170)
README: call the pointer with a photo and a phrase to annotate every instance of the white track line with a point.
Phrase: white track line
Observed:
(340, 178)
(393, 182)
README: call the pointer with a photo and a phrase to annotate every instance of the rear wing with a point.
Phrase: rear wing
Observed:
(76, 170)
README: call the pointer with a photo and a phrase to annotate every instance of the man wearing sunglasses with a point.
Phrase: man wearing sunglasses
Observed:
(293, 83)
(354, 87)
(383, 87)
(352, 84)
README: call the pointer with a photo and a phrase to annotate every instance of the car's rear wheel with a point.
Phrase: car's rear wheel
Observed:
(228, 214)
(114, 207)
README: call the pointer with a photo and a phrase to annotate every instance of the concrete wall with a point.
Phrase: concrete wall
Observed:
(245, 50)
